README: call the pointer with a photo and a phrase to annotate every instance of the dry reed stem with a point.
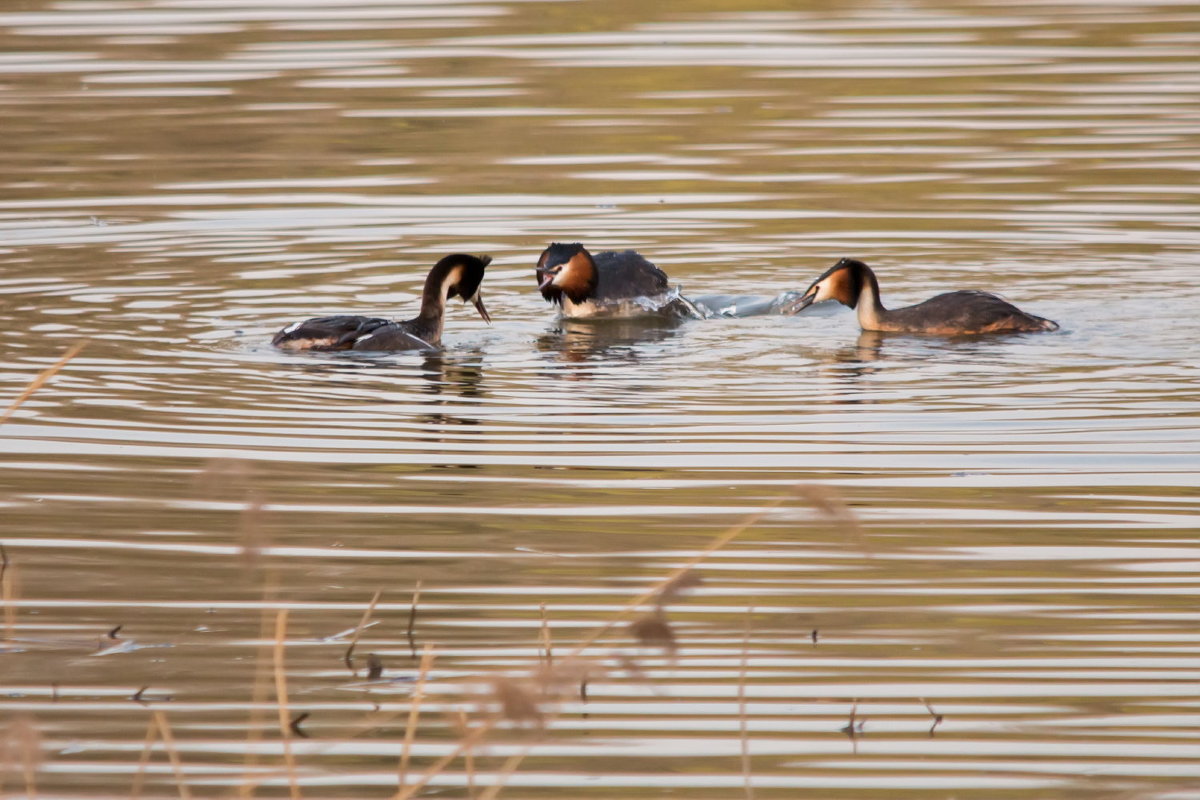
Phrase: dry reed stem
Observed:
(164, 731)
(546, 644)
(464, 744)
(362, 623)
(468, 754)
(414, 711)
(515, 760)
(725, 538)
(20, 741)
(511, 764)
(139, 777)
(831, 504)
(45, 375)
(743, 723)
(281, 702)
(259, 691)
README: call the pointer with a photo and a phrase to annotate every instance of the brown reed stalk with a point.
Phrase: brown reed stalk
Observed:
(362, 623)
(281, 702)
(719, 542)
(39, 381)
(414, 712)
(258, 695)
(743, 724)
(515, 760)
(468, 754)
(511, 764)
(164, 731)
(22, 737)
(139, 777)
(547, 649)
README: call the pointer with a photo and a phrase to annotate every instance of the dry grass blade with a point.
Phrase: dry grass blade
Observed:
(362, 623)
(468, 741)
(468, 754)
(507, 769)
(414, 711)
(680, 585)
(41, 379)
(139, 777)
(164, 732)
(281, 702)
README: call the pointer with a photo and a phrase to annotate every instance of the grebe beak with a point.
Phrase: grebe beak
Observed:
(796, 306)
(483, 312)
(547, 275)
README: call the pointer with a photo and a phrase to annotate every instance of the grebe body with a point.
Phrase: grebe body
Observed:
(960, 313)
(457, 275)
(608, 285)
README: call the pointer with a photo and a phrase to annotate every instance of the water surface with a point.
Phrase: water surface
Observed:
(181, 179)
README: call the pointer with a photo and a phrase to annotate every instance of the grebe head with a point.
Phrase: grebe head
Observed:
(461, 275)
(566, 269)
(843, 282)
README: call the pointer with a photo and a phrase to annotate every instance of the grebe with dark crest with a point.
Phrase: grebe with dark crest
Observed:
(608, 285)
(458, 275)
(961, 313)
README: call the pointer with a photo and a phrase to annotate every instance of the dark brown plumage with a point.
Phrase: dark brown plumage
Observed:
(456, 275)
(607, 284)
(959, 313)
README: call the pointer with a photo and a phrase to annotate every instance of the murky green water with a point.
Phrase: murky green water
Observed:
(183, 177)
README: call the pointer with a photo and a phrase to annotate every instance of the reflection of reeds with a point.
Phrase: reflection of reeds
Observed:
(362, 623)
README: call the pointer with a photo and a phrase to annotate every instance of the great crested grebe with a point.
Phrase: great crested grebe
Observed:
(608, 284)
(457, 275)
(960, 313)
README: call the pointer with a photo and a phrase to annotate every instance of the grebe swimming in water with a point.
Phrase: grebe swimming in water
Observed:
(960, 313)
(458, 275)
(608, 285)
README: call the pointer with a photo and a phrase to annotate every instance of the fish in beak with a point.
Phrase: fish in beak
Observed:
(546, 275)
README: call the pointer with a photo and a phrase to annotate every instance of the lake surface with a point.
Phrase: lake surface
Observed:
(1000, 531)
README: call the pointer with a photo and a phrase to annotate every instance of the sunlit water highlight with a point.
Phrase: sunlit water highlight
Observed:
(181, 179)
